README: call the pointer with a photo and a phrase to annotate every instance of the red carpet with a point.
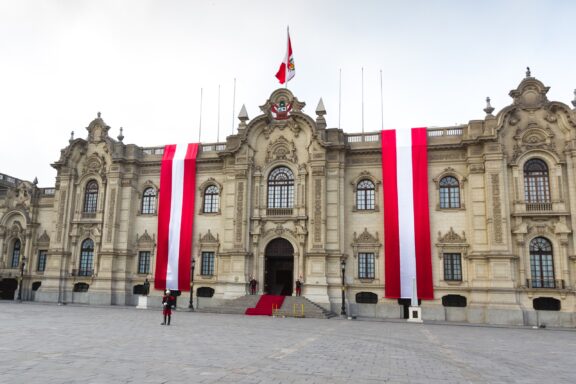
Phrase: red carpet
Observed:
(265, 305)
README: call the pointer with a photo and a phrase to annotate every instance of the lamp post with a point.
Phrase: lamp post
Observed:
(191, 304)
(343, 268)
(22, 265)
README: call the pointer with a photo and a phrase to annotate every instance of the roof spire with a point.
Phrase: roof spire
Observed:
(121, 136)
(243, 117)
(489, 109)
(71, 137)
(528, 74)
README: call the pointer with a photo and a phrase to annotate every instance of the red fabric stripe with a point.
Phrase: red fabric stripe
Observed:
(421, 215)
(187, 224)
(164, 203)
(281, 74)
(391, 232)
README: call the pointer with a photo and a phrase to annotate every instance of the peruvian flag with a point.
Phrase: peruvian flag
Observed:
(287, 69)
(176, 217)
(408, 254)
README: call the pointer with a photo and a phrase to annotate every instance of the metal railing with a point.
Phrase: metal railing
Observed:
(279, 211)
(363, 138)
(545, 283)
(216, 147)
(83, 272)
(538, 207)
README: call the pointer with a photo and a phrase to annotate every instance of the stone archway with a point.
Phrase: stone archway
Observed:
(279, 267)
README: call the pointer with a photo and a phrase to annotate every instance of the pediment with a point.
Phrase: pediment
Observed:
(451, 237)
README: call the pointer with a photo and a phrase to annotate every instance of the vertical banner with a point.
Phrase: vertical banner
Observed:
(176, 217)
(408, 252)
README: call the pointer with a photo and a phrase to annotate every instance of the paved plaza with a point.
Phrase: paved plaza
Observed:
(73, 344)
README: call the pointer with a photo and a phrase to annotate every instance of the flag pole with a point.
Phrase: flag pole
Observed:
(339, 96)
(200, 125)
(233, 106)
(381, 101)
(218, 124)
(287, 60)
(362, 103)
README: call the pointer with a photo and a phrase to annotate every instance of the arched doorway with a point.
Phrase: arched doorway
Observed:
(279, 267)
(8, 289)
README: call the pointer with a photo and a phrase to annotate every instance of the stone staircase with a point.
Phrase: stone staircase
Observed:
(292, 307)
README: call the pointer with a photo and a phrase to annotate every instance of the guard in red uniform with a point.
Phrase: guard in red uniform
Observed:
(168, 303)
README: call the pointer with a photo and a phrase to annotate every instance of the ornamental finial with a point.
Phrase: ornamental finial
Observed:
(528, 73)
(489, 109)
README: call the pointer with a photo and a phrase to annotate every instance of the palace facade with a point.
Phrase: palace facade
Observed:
(286, 197)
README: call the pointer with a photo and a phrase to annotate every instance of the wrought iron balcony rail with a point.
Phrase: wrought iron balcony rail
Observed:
(538, 207)
(83, 272)
(279, 211)
(545, 283)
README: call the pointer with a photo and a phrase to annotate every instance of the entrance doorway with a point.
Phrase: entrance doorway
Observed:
(279, 267)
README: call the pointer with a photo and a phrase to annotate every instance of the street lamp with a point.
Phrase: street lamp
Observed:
(22, 265)
(191, 304)
(343, 267)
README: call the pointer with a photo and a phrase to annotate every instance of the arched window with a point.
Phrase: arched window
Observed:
(541, 263)
(536, 185)
(149, 201)
(16, 253)
(449, 192)
(91, 197)
(281, 188)
(365, 195)
(211, 199)
(86, 258)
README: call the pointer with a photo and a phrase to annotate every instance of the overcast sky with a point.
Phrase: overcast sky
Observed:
(142, 64)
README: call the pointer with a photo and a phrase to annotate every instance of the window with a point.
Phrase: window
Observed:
(205, 292)
(81, 287)
(211, 199)
(546, 304)
(144, 262)
(207, 268)
(16, 254)
(541, 264)
(86, 258)
(536, 186)
(454, 301)
(449, 192)
(91, 197)
(281, 188)
(366, 298)
(365, 265)
(452, 267)
(41, 266)
(149, 201)
(365, 195)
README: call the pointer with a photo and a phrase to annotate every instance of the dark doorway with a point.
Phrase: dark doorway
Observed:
(8, 288)
(279, 267)
(406, 304)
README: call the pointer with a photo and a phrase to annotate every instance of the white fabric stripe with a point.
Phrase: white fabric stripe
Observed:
(405, 211)
(175, 216)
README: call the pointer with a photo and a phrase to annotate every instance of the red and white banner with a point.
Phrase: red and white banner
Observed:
(287, 69)
(408, 254)
(176, 217)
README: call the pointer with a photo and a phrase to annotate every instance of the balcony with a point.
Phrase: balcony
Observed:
(83, 272)
(538, 207)
(279, 211)
(545, 284)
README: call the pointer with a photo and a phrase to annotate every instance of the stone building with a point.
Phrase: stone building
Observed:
(287, 197)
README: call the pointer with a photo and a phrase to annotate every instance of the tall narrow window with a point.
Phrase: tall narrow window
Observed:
(449, 192)
(144, 262)
(16, 254)
(41, 266)
(536, 186)
(149, 201)
(281, 188)
(211, 199)
(452, 266)
(207, 264)
(365, 265)
(541, 263)
(91, 197)
(365, 195)
(86, 258)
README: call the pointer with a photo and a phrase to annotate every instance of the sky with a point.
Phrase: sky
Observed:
(145, 63)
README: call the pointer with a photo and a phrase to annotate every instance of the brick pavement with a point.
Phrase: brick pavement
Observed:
(73, 344)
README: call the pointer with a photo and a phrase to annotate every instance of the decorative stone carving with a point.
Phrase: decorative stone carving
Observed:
(209, 238)
(496, 208)
(281, 149)
(43, 238)
(451, 237)
(145, 241)
(95, 164)
(280, 230)
(366, 237)
(281, 104)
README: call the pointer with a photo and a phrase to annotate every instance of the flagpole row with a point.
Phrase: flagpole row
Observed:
(339, 96)
(218, 124)
(233, 106)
